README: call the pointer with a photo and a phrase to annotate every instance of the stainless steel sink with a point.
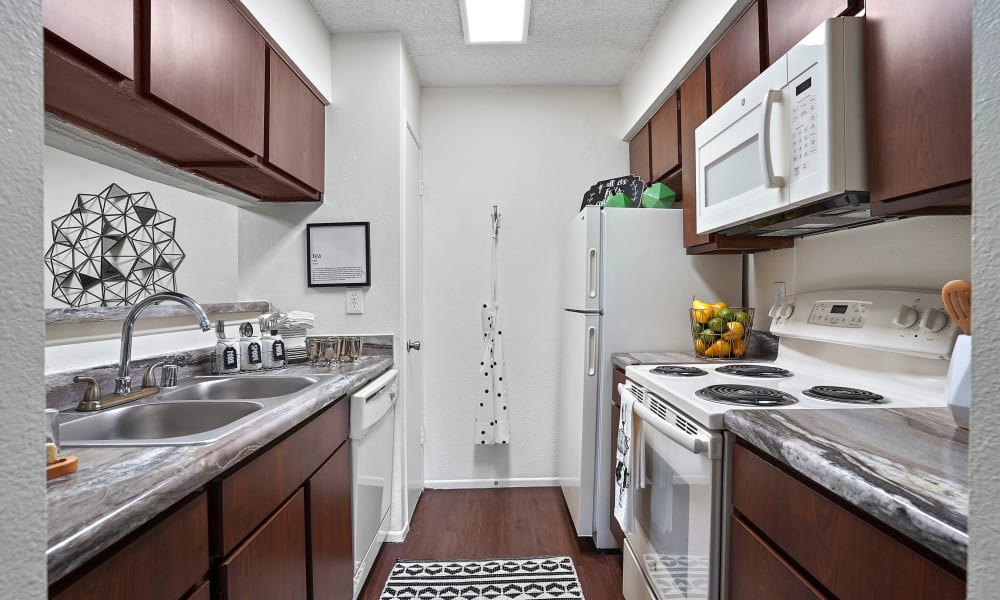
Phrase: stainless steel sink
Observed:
(241, 388)
(201, 411)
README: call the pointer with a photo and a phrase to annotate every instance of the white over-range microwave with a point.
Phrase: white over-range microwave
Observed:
(790, 139)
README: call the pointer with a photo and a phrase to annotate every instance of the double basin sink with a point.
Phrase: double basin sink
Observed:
(201, 411)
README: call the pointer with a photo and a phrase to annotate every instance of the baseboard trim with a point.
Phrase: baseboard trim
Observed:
(398, 536)
(464, 484)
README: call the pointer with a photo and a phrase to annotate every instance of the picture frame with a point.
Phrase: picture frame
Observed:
(338, 254)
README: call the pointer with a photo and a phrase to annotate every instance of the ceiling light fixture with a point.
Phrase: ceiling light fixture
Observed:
(495, 21)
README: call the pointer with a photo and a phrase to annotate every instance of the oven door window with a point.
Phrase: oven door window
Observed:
(675, 508)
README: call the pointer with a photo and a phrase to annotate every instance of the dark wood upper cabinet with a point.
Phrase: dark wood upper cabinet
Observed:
(664, 143)
(694, 110)
(918, 74)
(207, 61)
(331, 553)
(296, 125)
(638, 154)
(103, 30)
(788, 21)
(736, 59)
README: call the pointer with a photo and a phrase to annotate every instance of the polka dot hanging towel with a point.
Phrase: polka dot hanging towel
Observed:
(492, 422)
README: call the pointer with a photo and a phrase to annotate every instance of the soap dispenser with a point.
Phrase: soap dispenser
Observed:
(227, 351)
(251, 358)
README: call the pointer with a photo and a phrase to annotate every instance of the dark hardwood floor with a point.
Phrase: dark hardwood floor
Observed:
(497, 523)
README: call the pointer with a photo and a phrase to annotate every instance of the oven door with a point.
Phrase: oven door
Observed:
(678, 506)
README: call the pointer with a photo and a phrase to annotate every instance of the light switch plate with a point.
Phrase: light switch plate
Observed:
(355, 301)
(777, 292)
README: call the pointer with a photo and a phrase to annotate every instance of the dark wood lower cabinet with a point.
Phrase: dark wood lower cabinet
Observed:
(162, 563)
(277, 525)
(272, 562)
(823, 540)
(756, 572)
(331, 556)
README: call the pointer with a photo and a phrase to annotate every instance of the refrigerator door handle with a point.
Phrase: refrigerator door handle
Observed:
(591, 351)
(592, 273)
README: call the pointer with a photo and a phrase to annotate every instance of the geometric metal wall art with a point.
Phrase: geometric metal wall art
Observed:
(112, 249)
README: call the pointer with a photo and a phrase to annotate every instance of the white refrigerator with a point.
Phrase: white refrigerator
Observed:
(627, 287)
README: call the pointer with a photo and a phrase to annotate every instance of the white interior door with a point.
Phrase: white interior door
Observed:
(413, 321)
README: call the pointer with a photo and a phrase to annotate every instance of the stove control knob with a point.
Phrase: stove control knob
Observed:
(933, 320)
(906, 317)
(786, 310)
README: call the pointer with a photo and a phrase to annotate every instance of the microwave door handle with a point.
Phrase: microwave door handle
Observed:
(693, 444)
(771, 97)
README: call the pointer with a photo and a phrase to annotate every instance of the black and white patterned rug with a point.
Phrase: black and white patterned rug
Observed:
(535, 578)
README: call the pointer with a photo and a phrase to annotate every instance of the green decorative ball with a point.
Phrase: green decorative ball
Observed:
(658, 196)
(618, 201)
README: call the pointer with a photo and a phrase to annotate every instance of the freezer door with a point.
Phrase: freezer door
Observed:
(578, 416)
(582, 261)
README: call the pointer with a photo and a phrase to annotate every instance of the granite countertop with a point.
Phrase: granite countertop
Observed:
(117, 489)
(906, 467)
(762, 347)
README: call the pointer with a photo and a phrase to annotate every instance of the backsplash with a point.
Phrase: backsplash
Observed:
(62, 394)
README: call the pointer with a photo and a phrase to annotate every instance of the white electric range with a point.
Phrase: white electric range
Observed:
(853, 349)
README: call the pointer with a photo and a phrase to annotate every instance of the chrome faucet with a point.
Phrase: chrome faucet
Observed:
(123, 383)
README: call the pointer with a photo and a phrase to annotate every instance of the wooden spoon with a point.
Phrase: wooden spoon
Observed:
(957, 296)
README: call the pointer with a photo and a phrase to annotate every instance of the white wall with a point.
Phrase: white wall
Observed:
(299, 31)
(22, 493)
(362, 184)
(920, 252)
(984, 459)
(685, 33)
(533, 152)
(205, 229)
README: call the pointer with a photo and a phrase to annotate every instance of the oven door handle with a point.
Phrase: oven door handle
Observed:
(693, 443)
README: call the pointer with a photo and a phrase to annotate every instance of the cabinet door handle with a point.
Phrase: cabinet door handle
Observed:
(771, 97)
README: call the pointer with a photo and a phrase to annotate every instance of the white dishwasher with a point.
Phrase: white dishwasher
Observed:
(373, 412)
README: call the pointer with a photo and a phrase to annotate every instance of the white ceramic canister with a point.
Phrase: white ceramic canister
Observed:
(251, 352)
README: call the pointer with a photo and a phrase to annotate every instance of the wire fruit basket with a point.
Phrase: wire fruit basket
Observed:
(721, 333)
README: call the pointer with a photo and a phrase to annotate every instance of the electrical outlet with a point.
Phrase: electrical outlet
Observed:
(355, 301)
(777, 292)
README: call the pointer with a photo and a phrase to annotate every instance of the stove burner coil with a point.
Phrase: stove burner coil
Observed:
(676, 371)
(847, 395)
(745, 395)
(760, 371)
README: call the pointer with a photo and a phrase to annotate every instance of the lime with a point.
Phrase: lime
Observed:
(717, 324)
(742, 317)
(707, 337)
(725, 313)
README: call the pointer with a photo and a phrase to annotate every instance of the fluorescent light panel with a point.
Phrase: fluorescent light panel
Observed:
(495, 21)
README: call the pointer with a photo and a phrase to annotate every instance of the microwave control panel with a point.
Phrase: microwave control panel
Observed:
(839, 314)
(804, 127)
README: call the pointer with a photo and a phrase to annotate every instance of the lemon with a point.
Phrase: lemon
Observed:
(702, 312)
(734, 331)
(720, 305)
(700, 347)
(739, 348)
(718, 349)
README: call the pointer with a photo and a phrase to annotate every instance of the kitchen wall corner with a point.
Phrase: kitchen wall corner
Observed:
(984, 457)
(22, 495)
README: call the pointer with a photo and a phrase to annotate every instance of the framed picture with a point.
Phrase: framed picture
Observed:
(338, 254)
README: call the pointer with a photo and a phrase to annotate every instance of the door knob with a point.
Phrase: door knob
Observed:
(412, 345)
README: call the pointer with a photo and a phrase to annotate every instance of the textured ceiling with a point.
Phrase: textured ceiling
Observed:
(570, 42)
